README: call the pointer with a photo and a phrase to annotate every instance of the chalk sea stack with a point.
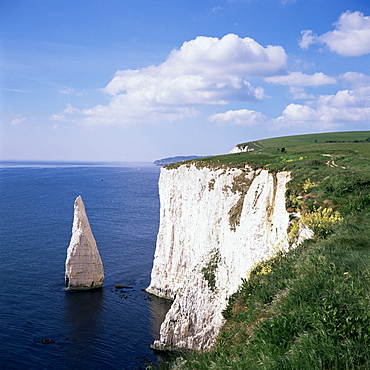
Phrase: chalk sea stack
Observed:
(84, 268)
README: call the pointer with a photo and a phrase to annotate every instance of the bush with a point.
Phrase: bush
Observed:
(321, 221)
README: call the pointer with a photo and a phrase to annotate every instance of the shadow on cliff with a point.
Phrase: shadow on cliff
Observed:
(158, 309)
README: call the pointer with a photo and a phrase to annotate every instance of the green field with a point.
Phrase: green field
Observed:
(298, 140)
(308, 308)
(277, 153)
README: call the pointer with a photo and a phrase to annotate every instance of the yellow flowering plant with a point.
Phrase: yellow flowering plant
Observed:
(321, 221)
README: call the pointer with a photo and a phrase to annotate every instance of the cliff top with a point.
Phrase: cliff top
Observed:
(299, 140)
(325, 168)
(286, 153)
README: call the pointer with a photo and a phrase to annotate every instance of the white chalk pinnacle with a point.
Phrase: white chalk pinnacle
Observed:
(84, 268)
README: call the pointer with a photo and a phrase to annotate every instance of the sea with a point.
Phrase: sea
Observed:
(42, 326)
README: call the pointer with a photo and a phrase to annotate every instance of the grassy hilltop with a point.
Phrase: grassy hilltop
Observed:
(308, 308)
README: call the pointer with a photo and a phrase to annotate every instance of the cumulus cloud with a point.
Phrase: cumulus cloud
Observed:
(297, 81)
(308, 38)
(328, 111)
(58, 117)
(300, 79)
(357, 81)
(242, 117)
(351, 36)
(204, 71)
(298, 92)
(297, 113)
(323, 112)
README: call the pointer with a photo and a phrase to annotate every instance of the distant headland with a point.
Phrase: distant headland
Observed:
(170, 160)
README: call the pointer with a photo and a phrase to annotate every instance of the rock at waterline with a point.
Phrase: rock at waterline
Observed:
(84, 268)
(47, 341)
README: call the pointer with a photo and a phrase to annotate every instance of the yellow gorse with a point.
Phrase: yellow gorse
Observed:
(322, 220)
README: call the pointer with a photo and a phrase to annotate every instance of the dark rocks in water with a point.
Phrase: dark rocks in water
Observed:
(120, 286)
(47, 341)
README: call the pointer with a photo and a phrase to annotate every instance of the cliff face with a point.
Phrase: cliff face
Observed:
(214, 226)
(241, 149)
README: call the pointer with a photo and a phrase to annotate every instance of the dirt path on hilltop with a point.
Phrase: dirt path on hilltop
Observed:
(331, 162)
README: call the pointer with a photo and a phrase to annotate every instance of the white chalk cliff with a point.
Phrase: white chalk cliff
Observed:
(215, 224)
(241, 149)
(84, 268)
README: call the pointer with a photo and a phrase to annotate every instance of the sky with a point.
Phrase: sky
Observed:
(140, 80)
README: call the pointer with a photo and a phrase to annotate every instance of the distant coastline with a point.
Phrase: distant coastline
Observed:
(170, 160)
(65, 164)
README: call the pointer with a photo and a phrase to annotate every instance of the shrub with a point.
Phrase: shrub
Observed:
(321, 221)
(308, 185)
(210, 269)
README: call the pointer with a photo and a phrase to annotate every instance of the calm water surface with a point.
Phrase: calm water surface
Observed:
(107, 328)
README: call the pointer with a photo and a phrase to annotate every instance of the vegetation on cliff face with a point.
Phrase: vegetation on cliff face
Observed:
(209, 270)
(307, 308)
(241, 186)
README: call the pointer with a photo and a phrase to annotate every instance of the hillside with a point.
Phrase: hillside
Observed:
(307, 308)
(298, 140)
(170, 160)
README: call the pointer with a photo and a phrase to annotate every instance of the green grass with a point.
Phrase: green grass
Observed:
(311, 311)
(308, 308)
(298, 140)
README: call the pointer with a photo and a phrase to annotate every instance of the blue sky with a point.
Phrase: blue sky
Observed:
(123, 80)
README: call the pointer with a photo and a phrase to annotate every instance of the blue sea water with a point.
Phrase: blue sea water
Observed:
(101, 329)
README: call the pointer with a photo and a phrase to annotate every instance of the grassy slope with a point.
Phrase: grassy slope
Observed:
(309, 308)
(297, 140)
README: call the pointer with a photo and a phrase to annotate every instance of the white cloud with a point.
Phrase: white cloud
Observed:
(344, 106)
(300, 79)
(65, 115)
(308, 38)
(18, 120)
(328, 111)
(242, 117)
(298, 92)
(357, 81)
(58, 117)
(230, 55)
(66, 91)
(322, 113)
(70, 91)
(298, 113)
(19, 91)
(351, 36)
(123, 110)
(204, 71)
(70, 110)
(217, 8)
